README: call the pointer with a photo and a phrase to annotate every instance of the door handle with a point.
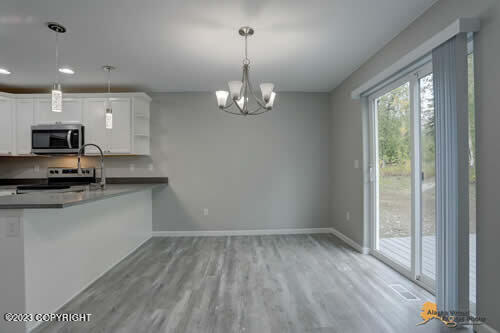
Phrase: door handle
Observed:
(68, 138)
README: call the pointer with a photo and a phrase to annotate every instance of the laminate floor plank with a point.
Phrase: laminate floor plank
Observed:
(249, 284)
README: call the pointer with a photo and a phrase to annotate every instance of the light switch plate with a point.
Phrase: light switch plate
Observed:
(356, 164)
(205, 211)
(348, 216)
(151, 167)
(132, 167)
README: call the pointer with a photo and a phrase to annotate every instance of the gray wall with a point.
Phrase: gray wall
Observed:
(265, 172)
(346, 145)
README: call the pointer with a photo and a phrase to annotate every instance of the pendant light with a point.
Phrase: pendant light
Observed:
(109, 110)
(56, 88)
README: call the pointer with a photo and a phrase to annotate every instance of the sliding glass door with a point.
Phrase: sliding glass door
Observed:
(394, 174)
(428, 180)
(403, 175)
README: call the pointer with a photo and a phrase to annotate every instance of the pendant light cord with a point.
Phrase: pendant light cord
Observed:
(57, 58)
(109, 81)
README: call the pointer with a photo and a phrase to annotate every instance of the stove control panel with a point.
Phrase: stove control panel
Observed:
(69, 172)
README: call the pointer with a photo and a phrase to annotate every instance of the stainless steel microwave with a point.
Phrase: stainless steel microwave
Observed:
(57, 138)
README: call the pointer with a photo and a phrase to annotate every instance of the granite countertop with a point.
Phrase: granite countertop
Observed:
(41, 199)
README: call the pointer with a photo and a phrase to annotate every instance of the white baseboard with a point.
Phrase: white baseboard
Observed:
(257, 232)
(263, 232)
(350, 242)
(485, 329)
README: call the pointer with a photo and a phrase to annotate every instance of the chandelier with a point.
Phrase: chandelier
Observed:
(241, 91)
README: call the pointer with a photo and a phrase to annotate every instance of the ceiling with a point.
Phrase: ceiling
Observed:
(193, 45)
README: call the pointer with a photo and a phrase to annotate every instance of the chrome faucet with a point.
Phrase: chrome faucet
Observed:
(102, 184)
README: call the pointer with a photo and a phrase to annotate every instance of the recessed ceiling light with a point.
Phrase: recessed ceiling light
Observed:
(66, 70)
(4, 71)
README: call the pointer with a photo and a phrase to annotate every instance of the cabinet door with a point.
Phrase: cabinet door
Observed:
(121, 134)
(25, 112)
(71, 112)
(6, 126)
(94, 118)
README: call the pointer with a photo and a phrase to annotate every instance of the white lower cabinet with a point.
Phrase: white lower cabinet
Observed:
(25, 115)
(6, 126)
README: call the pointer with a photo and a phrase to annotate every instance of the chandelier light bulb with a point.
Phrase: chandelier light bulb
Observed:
(221, 98)
(241, 102)
(267, 89)
(235, 89)
(269, 104)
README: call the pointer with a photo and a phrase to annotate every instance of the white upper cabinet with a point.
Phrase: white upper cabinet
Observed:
(120, 135)
(25, 115)
(94, 118)
(6, 126)
(71, 111)
(129, 134)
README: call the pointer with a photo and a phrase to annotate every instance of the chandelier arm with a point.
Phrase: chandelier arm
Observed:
(256, 110)
(242, 81)
(257, 113)
(228, 106)
(242, 111)
(258, 100)
(235, 113)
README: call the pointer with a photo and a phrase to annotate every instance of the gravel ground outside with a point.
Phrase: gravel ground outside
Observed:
(395, 207)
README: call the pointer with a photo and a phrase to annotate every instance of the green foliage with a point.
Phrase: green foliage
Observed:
(393, 111)
(393, 116)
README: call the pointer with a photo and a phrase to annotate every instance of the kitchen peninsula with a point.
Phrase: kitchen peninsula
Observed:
(54, 245)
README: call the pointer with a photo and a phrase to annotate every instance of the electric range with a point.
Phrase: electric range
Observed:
(62, 180)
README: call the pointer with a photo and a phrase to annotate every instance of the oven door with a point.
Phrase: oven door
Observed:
(56, 140)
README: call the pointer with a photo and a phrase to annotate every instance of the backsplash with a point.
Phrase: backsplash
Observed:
(116, 166)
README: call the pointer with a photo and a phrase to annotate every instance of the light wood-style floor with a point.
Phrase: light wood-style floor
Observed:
(292, 283)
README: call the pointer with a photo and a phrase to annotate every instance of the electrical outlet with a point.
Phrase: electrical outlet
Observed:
(356, 164)
(205, 211)
(131, 167)
(13, 227)
(348, 216)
